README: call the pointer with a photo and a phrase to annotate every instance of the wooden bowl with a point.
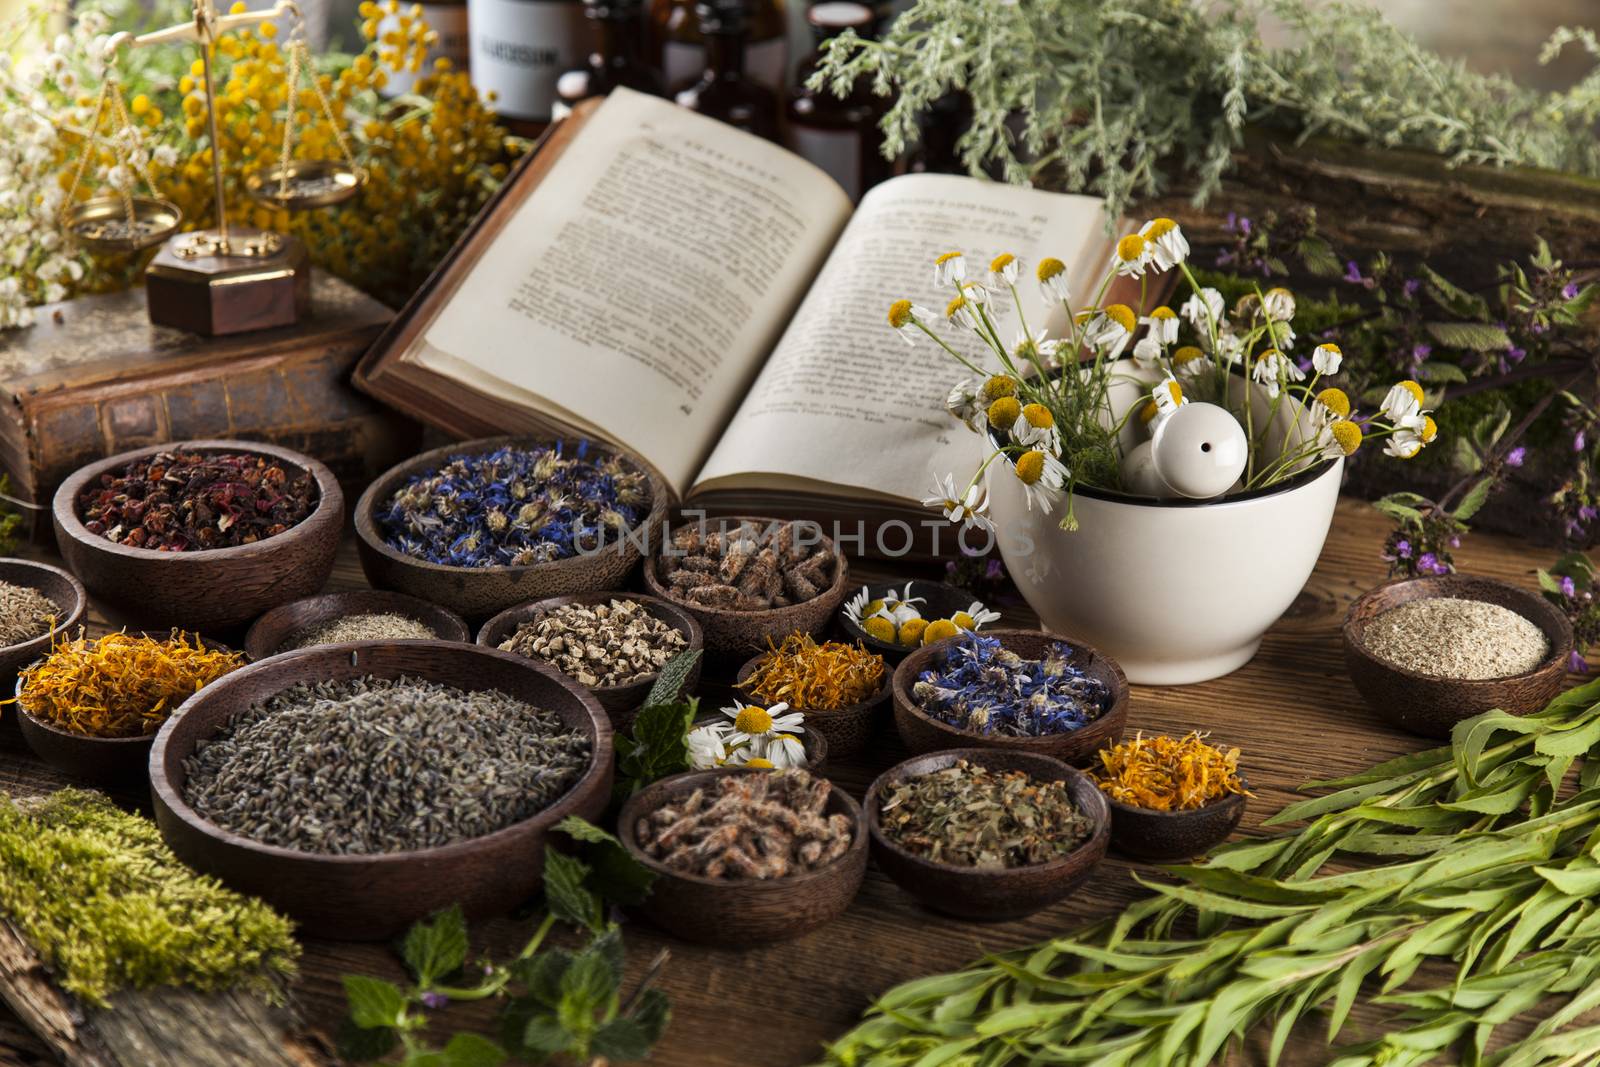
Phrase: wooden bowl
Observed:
(211, 589)
(373, 897)
(621, 702)
(62, 588)
(921, 732)
(940, 602)
(730, 633)
(1432, 706)
(268, 633)
(1173, 835)
(109, 760)
(815, 744)
(990, 894)
(720, 911)
(475, 593)
(848, 729)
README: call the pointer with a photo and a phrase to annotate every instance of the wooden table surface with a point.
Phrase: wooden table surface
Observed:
(1292, 710)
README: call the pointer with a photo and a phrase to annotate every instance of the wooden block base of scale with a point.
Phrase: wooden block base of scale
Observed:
(215, 285)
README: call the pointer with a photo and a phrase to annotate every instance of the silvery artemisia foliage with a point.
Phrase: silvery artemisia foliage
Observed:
(981, 686)
(1110, 98)
(514, 507)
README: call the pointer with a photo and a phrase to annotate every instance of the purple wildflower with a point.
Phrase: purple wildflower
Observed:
(1576, 663)
(1579, 441)
(1428, 563)
(1402, 549)
(994, 570)
(1516, 354)
(1569, 588)
(1411, 286)
(433, 1000)
(1352, 273)
(1587, 513)
(1517, 456)
(1569, 291)
(1420, 353)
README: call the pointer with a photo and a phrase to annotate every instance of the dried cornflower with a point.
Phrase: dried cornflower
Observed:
(25, 613)
(804, 674)
(1163, 774)
(972, 816)
(981, 686)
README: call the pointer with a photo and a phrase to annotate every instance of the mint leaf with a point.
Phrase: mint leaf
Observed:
(653, 1012)
(608, 947)
(358, 1044)
(424, 1057)
(545, 1036)
(620, 1039)
(564, 892)
(541, 975)
(373, 1002)
(671, 680)
(587, 985)
(437, 947)
(471, 1050)
(616, 875)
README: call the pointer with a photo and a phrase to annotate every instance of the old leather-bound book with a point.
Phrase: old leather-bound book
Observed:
(94, 377)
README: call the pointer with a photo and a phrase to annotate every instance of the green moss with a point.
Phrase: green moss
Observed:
(107, 905)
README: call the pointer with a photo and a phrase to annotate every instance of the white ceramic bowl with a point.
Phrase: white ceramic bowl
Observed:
(1176, 591)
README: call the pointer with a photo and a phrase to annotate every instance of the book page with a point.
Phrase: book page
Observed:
(845, 405)
(640, 286)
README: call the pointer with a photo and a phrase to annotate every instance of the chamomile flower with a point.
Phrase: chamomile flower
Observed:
(1051, 274)
(1403, 401)
(1229, 348)
(1202, 310)
(1278, 305)
(754, 725)
(1147, 352)
(1403, 444)
(976, 617)
(904, 316)
(1341, 437)
(1162, 323)
(1190, 361)
(1272, 367)
(1003, 270)
(1330, 405)
(969, 508)
(1043, 478)
(1036, 428)
(950, 269)
(962, 402)
(1132, 256)
(785, 750)
(707, 746)
(962, 312)
(1168, 397)
(1109, 329)
(1326, 358)
(1168, 246)
(1026, 348)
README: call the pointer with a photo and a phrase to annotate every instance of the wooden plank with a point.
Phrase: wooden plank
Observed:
(1292, 710)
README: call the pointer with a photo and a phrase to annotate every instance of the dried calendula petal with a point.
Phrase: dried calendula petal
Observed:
(813, 676)
(1167, 774)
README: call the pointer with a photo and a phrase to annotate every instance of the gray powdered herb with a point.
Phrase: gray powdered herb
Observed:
(1451, 637)
(366, 626)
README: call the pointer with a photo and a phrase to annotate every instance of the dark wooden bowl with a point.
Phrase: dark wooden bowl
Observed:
(815, 744)
(848, 729)
(108, 760)
(1173, 835)
(370, 898)
(475, 593)
(731, 633)
(1432, 706)
(921, 732)
(268, 633)
(213, 589)
(940, 602)
(621, 702)
(62, 588)
(990, 894)
(730, 912)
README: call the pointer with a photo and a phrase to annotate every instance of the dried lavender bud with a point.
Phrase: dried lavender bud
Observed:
(749, 567)
(972, 816)
(599, 644)
(189, 501)
(980, 686)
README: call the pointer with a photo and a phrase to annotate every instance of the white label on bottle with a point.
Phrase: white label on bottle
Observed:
(520, 48)
(449, 21)
(836, 151)
(764, 61)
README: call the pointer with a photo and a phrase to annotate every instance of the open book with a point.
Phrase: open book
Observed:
(711, 302)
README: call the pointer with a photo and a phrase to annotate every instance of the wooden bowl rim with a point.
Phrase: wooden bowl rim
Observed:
(424, 611)
(74, 615)
(599, 765)
(1541, 613)
(1214, 805)
(366, 505)
(884, 647)
(841, 574)
(884, 691)
(632, 809)
(663, 609)
(815, 742)
(905, 674)
(873, 800)
(329, 505)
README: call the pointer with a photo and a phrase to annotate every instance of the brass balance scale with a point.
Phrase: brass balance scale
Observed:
(228, 279)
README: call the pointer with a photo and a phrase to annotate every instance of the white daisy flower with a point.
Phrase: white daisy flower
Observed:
(1403, 444)
(1003, 270)
(1147, 352)
(1043, 478)
(1132, 256)
(1109, 329)
(707, 748)
(963, 401)
(1278, 304)
(1189, 361)
(1229, 348)
(1325, 359)
(1036, 428)
(962, 312)
(904, 316)
(1272, 368)
(1403, 401)
(1052, 276)
(969, 508)
(1026, 345)
(1168, 396)
(980, 615)
(950, 269)
(1168, 246)
(1202, 309)
(1162, 323)
(785, 750)
(754, 725)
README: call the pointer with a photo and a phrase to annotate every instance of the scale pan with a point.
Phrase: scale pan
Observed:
(101, 224)
(312, 183)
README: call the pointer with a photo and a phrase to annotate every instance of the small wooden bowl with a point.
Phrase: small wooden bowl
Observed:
(211, 589)
(848, 729)
(65, 591)
(1432, 706)
(921, 732)
(1173, 835)
(940, 601)
(109, 760)
(718, 911)
(815, 744)
(475, 593)
(621, 702)
(990, 894)
(373, 897)
(730, 633)
(268, 633)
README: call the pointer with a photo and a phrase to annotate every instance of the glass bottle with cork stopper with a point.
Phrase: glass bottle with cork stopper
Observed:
(618, 58)
(725, 91)
(683, 48)
(839, 135)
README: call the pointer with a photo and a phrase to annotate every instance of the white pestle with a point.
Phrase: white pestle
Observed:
(1198, 451)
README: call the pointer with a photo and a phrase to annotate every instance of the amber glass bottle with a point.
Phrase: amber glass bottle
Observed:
(618, 56)
(839, 135)
(683, 49)
(725, 91)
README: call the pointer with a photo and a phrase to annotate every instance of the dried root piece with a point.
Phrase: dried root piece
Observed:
(766, 566)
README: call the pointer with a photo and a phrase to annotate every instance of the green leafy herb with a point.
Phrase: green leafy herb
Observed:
(656, 746)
